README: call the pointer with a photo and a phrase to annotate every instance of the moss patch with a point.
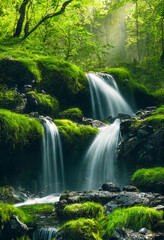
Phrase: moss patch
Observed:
(9, 99)
(133, 218)
(7, 195)
(18, 130)
(87, 210)
(47, 105)
(151, 179)
(74, 114)
(82, 229)
(159, 96)
(62, 79)
(37, 208)
(73, 133)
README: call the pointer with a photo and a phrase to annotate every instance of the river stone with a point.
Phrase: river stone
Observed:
(111, 187)
(130, 188)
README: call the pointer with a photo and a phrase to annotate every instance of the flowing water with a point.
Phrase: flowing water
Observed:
(100, 159)
(45, 234)
(53, 167)
(106, 99)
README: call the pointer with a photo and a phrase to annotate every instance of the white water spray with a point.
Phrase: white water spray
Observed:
(53, 167)
(106, 99)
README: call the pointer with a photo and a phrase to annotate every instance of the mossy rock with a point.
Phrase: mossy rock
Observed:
(86, 210)
(43, 104)
(82, 229)
(73, 134)
(9, 99)
(62, 79)
(74, 114)
(7, 195)
(131, 90)
(18, 130)
(133, 218)
(14, 73)
(149, 180)
(159, 96)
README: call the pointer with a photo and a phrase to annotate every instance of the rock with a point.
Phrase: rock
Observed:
(27, 88)
(93, 123)
(34, 114)
(111, 187)
(102, 197)
(130, 199)
(144, 231)
(14, 229)
(130, 188)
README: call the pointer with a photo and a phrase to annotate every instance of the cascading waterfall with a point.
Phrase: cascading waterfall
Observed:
(53, 167)
(100, 159)
(45, 234)
(106, 99)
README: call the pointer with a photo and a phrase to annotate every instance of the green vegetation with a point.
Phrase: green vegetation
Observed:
(73, 133)
(87, 210)
(7, 195)
(133, 218)
(159, 96)
(37, 208)
(7, 211)
(74, 114)
(151, 179)
(18, 130)
(9, 99)
(82, 229)
(47, 105)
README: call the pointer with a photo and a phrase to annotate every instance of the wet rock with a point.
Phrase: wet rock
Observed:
(93, 123)
(111, 187)
(102, 197)
(130, 188)
(130, 199)
(144, 231)
(27, 88)
(34, 114)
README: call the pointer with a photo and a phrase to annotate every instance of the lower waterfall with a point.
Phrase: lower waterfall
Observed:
(53, 167)
(100, 158)
(45, 234)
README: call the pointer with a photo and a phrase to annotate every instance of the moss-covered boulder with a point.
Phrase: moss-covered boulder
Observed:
(130, 89)
(42, 103)
(82, 229)
(20, 147)
(63, 80)
(14, 73)
(133, 218)
(7, 195)
(9, 99)
(74, 114)
(86, 210)
(149, 180)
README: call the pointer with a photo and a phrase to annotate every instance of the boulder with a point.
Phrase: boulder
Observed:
(111, 187)
(130, 188)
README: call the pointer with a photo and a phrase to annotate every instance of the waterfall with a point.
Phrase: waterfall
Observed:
(45, 234)
(53, 168)
(106, 99)
(100, 159)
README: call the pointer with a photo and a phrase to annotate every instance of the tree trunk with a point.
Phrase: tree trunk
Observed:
(21, 19)
(137, 32)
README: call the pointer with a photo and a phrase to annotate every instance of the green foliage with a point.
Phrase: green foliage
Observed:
(82, 229)
(159, 96)
(133, 218)
(7, 195)
(7, 211)
(157, 118)
(74, 114)
(86, 210)
(47, 105)
(9, 99)
(73, 133)
(18, 130)
(149, 179)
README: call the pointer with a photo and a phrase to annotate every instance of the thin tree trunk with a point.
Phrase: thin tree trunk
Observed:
(21, 19)
(137, 31)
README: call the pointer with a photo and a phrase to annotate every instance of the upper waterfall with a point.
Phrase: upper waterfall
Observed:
(53, 167)
(106, 99)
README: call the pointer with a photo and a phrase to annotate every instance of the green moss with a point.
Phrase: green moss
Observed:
(7, 195)
(62, 79)
(74, 114)
(151, 179)
(133, 218)
(47, 105)
(18, 130)
(9, 99)
(73, 133)
(6, 211)
(87, 210)
(82, 229)
(37, 208)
